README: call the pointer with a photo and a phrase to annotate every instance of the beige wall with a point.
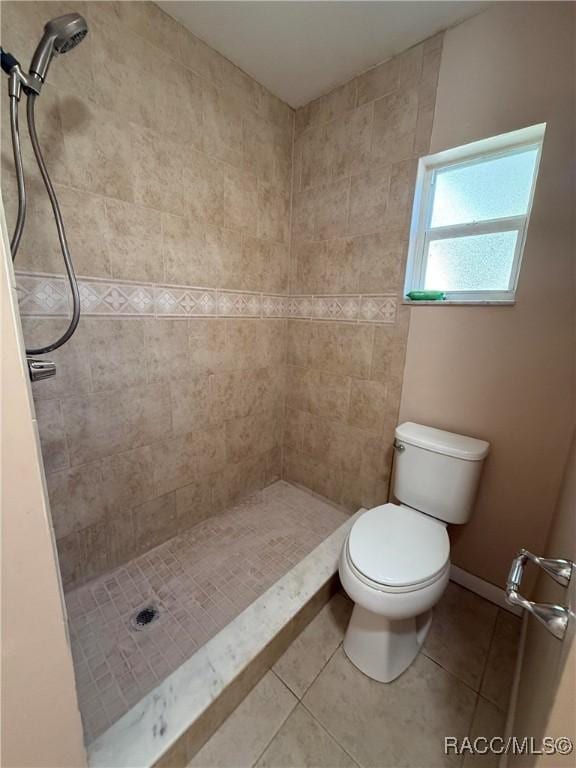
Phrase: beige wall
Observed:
(546, 701)
(153, 422)
(354, 171)
(40, 718)
(506, 374)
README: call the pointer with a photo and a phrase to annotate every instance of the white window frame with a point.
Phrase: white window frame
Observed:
(421, 232)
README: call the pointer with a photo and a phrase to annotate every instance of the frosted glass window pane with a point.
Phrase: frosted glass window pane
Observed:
(475, 263)
(489, 189)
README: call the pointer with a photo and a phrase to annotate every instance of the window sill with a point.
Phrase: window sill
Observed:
(461, 303)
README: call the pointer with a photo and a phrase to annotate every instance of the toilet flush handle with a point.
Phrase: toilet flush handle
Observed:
(399, 446)
(553, 616)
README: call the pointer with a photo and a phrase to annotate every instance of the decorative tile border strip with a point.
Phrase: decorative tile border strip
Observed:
(337, 307)
(378, 309)
(232, 304)
(186, 302)
(275, 306)
(48, 295)
(116, 298)
(42, 296)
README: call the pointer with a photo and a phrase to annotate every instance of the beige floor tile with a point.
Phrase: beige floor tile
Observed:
(459, 638)
(244, 735)
(395, 725)
(303, 743)
(499, 673)
(308, 654)
(489, 721)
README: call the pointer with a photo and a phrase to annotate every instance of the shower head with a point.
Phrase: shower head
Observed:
(60, 36)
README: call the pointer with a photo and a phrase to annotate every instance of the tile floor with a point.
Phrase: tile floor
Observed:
(199, 580)
(314, 708)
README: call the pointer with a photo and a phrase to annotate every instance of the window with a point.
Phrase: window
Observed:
(470, 216)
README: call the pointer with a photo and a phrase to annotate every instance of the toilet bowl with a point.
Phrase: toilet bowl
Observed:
(395, 566)
(395, 562)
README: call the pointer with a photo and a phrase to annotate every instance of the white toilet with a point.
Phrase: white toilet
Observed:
(395, 562)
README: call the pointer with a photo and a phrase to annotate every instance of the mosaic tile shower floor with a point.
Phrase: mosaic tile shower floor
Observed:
(199, 581)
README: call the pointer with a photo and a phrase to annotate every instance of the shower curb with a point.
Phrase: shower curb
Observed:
(169, 725)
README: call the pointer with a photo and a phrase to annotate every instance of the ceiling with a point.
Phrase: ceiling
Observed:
(301, 50)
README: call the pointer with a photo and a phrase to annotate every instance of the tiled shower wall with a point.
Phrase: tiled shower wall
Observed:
(172, 167)
(198, 284)
(355, 164)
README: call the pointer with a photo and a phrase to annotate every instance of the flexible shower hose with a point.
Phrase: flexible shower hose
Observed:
(55, 209)
(17, 150)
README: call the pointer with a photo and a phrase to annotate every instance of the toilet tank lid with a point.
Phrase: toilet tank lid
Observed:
(439, 441)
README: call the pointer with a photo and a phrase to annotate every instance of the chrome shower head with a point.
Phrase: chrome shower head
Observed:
(60, 36)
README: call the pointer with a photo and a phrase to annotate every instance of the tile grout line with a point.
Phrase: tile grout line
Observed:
(300, 698)
(277, 731)
(492, 637)
(122, 581)
(319, 671)
(131, 510)
(335, 738)
(308, 688)
(472, 719)
(324, 727)
(331, 736)
(448, 672)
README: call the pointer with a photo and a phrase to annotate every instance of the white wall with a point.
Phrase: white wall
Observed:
(507, 374)
(40, 718)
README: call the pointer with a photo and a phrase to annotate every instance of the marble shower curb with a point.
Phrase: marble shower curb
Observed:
(180, 714)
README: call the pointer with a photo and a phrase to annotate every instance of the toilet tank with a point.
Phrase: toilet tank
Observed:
(437, 472)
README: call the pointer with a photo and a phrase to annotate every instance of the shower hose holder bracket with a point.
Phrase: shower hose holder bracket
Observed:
(18, 80)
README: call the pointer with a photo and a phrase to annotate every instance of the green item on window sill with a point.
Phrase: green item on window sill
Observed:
(426, 295)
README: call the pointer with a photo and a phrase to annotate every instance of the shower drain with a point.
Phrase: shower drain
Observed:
(144, 617)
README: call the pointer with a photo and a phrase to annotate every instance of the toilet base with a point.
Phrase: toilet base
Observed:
(383, 648)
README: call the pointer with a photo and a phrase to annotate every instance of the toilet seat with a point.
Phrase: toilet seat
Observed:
(375, 585)
(397, 549)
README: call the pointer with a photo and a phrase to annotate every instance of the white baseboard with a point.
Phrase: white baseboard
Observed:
(483, 588)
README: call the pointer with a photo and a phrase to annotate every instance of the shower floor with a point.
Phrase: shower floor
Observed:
(199, 581)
